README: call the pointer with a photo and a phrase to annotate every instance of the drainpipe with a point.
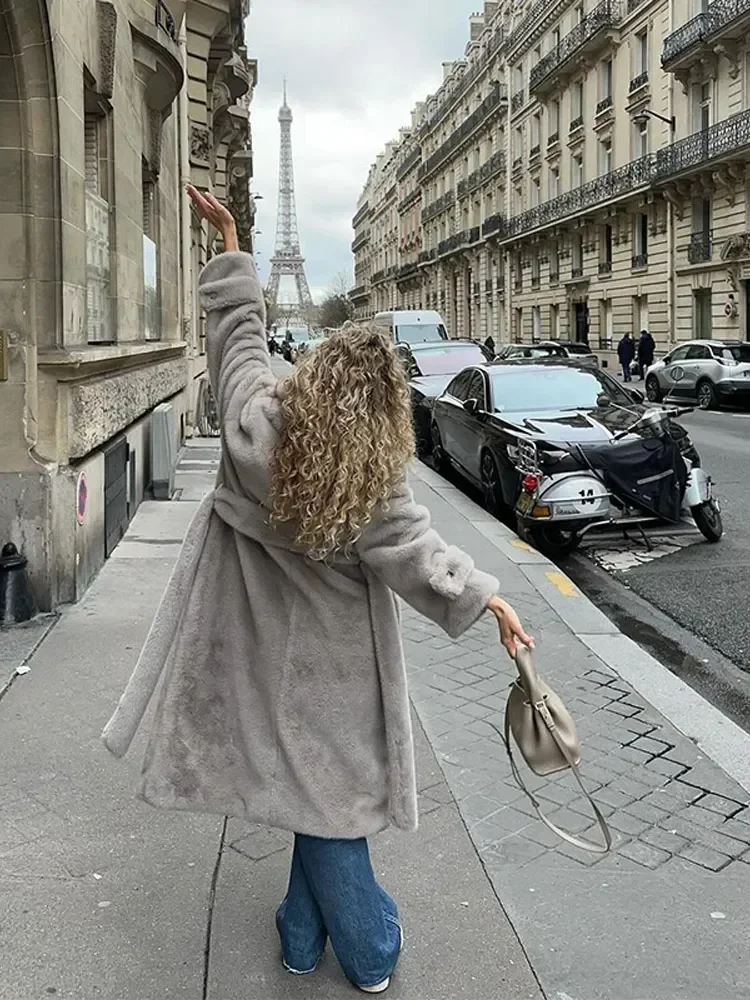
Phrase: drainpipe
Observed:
(670, 209)
(186, 248)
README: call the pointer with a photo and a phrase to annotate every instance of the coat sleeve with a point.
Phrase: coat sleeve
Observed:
(239, 364)
(409, 556)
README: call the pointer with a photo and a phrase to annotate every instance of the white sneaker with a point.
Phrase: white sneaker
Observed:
(382, 987)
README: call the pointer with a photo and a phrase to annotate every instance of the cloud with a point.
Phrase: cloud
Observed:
(355, 69)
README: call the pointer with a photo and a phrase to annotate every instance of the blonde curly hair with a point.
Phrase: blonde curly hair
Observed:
(347, 440)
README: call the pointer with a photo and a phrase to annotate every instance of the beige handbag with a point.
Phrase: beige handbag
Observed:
(545, 733)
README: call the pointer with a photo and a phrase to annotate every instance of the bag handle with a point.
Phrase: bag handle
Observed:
(586, 845)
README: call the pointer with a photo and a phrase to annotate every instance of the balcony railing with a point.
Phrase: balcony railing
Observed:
(164, 19)
(605, 104)
(638, 81)
(639, 260)
(536, 281)
(494, 224)
(553, 138)
(464, 130)
(427, 255)
(701, 247)
(575, 124)
(517, 164)
(442, 204)
(607, 14)
(634, 5)
(535, 151)
(406, 271)
(720, 140)
(577, 271)
(360, 292)
(472, 72)
(409, 163)
(384, 274)
(361, 241)
(409, 201)
(494, 166)
(517, 101)
(721, 16)
(554, 277)
(605, 267)
(361, 214)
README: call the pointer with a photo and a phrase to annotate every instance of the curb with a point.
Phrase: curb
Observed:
(717, 736)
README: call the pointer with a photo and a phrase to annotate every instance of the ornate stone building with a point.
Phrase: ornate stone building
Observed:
(583, 172)
(100, 255)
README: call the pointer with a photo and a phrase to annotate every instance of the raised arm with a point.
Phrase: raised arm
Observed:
(232, 297)
(438, 580)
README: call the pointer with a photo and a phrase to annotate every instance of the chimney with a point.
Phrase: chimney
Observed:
(447, 70)
(476, 27)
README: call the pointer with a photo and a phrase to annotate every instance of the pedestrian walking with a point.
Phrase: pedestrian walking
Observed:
(284, 698)
(646, 351)
(626, 354)
(490, 345)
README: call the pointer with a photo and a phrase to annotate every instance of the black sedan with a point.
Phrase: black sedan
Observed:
(431, 367)
(486, 410)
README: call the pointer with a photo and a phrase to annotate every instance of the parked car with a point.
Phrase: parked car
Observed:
(412, 326)
(711, 372)
(547, 349)
(573, 420)
(430, 367)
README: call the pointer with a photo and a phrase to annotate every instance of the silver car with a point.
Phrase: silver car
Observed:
(712, 372)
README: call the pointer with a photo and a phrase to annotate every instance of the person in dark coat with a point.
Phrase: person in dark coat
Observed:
(490, 345)
(646, 349)
(626, 354)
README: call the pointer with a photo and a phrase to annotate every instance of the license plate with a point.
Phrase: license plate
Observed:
(524, 503)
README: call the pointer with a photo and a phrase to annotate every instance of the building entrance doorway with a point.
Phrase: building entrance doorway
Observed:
(581, 322)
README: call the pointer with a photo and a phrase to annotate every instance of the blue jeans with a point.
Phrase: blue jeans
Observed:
(626, 371)
(333, 893)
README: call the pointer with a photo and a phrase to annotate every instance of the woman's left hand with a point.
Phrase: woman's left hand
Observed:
(213, 211)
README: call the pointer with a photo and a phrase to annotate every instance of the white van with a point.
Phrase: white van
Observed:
(413, 326)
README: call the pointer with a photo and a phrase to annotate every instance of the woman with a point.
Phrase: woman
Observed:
(284, 699)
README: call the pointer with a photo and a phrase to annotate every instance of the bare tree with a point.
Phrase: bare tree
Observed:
(340, 285)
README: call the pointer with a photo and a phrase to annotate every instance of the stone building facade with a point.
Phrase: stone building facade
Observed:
(108, 107)
(583, 172)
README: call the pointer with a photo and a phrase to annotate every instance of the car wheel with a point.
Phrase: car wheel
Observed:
(439, 459)
(491, 488)
(706, 395)
(653, 392)
(552, 540)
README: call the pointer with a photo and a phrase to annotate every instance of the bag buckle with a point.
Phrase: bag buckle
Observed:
(541, 707)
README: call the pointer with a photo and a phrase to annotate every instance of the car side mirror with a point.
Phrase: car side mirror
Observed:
(636, 395)
(471, 406)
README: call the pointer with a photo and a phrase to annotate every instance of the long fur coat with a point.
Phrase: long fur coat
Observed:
(283, 698)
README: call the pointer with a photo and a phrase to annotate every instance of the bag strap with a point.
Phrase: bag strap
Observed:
(586, 845)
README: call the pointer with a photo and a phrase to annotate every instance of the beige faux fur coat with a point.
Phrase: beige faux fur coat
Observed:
(283, 698)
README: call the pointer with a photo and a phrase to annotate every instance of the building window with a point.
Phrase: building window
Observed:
(536, 324)
(641, 53)
(640, 240)
(518, 198)
(554, 121)
(702, 325)
(605, 156)
(640, 139)
(703, 106)
(536, 192)
(605, 250)
(554, 263)
(554, 182)
(536, 133)
(518, 325)
(536, 272)
(554, 321)
(576, 167)
(554, 39)
(605, 80)
(577, 14)
(151, 289)
(576, 256)
(578, 100)
(99, 315)
(700, 240)
(640, 312)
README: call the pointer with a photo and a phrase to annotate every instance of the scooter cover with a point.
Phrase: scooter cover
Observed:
(649, 473)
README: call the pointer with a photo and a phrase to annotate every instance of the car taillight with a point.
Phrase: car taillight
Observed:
(530, 483)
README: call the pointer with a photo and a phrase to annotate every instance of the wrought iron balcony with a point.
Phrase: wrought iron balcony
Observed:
(360, 292)
(442, 204)
(638, 81)
(459, 240)
(473, 72)
(577, 271)
(725, 140)
(361, 241)
(639, 260)
(407, 271)
(583, 39)
(536, 281)
(553, 138)
(488, 286)
(605, 104)
(409, 163)
(517, 164)
(494, 166)
(517, 101)
(494, 224)
(575, 124)
(409, 201)
(427, 255)
(633, 5)
(518, 283)
(361, 214)
(722, 18)
(554, 277)
(605, 267)
(164, 19)
(384, 274)
(535, 151)
(487, 108)
(701, 247)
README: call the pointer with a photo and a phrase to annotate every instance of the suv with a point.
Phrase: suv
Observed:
(710, 371)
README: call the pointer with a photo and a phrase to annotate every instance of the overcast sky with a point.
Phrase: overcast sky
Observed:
(355, 69)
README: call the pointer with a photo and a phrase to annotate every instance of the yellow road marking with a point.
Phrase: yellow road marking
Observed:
(519, 544)
(563, 584)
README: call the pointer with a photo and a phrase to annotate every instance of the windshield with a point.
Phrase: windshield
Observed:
(556, 389)
(297, 334)
(736, 352)
(445, 361)
(578, 348)
(420, 333)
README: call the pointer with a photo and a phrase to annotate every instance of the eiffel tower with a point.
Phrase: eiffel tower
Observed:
(287, 259)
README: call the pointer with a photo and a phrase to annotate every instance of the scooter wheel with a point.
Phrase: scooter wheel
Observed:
(707, 517)
(553, 540)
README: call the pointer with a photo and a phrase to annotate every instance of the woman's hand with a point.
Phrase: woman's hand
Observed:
(213, 211)
(512, 633)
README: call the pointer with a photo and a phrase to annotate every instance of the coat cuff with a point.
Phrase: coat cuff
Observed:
(468, 607)
(224, 280)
